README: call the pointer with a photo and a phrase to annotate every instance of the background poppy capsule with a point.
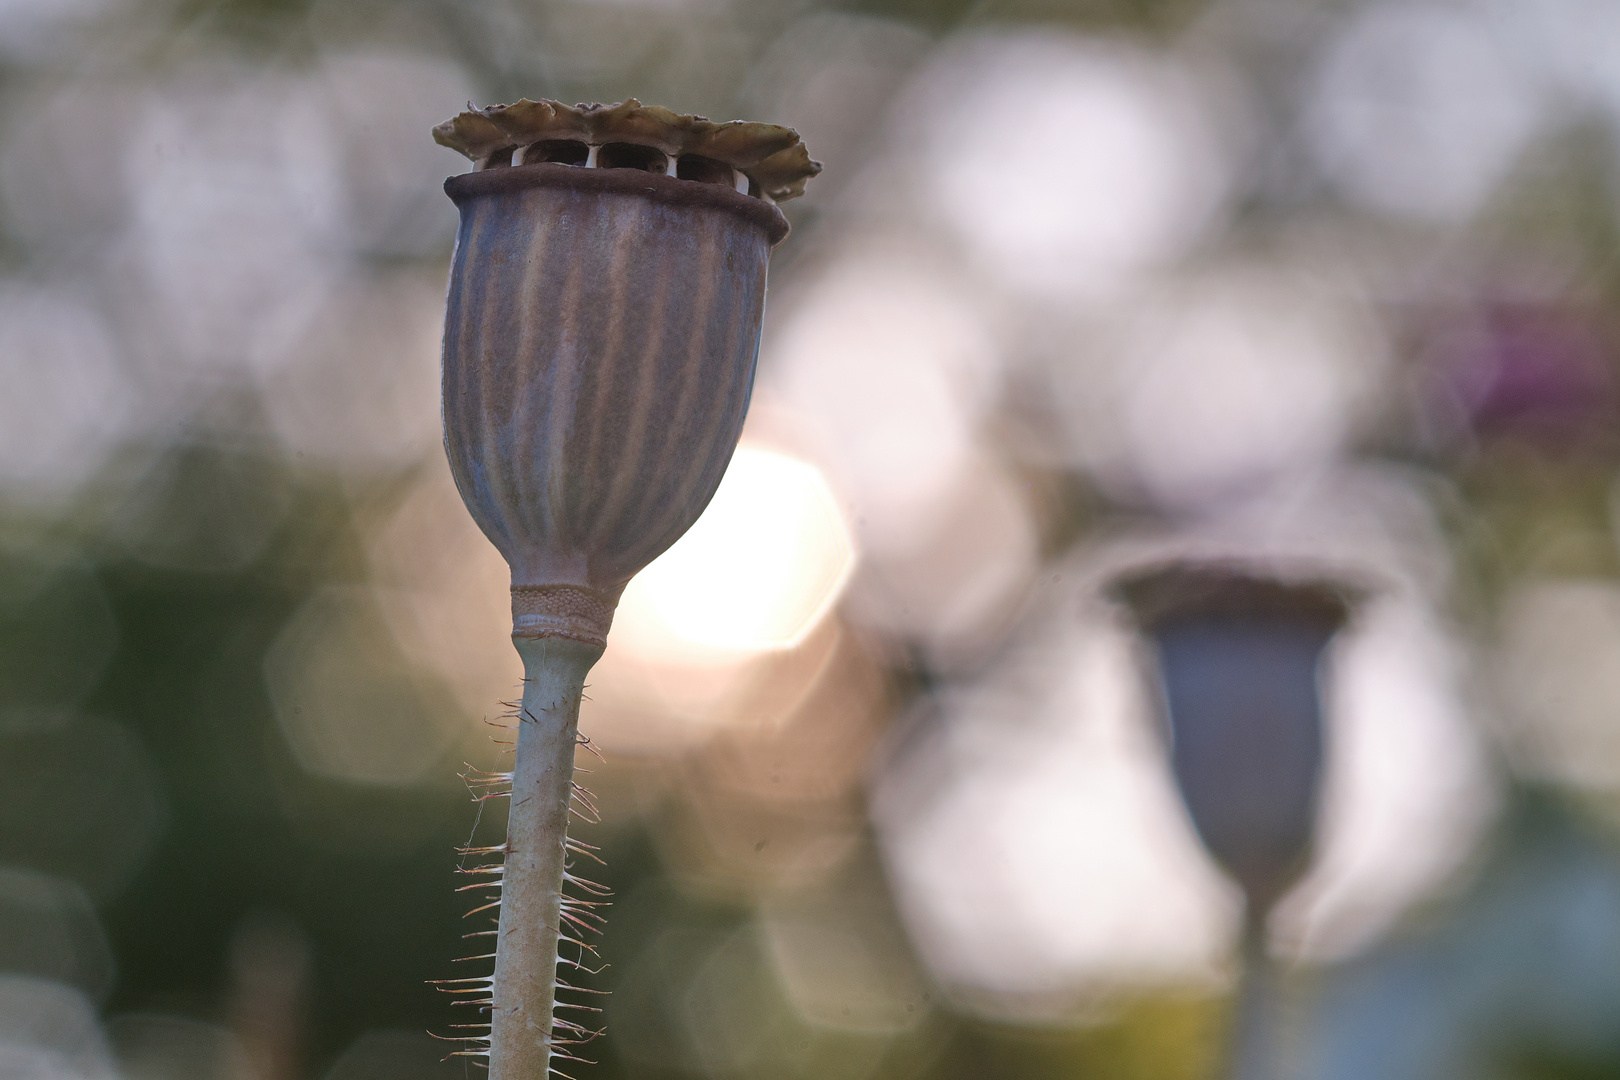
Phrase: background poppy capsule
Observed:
(599, 344)
(1238, 657)
(602, 326)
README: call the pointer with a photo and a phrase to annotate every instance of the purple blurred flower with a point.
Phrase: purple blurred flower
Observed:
(1534, 372)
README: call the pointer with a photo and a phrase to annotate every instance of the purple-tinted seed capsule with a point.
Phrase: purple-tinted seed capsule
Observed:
(1238, 659)
(600, 336)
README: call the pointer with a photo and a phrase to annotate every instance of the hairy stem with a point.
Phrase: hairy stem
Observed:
(524, 989)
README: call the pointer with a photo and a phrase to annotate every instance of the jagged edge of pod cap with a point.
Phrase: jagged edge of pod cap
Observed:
(771, 156)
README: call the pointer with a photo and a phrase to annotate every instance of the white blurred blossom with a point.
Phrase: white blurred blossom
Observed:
(1069, 165)
(238, 203)
(1419, 110)
(49, 1031)
(65, 400)
(35, 30)
(1221, 384)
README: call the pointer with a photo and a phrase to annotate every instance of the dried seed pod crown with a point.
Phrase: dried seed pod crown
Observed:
(771, 158)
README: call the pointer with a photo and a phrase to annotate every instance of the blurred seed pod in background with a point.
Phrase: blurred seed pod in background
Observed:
(1238, 661)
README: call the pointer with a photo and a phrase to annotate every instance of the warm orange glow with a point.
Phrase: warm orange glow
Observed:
(762, 566)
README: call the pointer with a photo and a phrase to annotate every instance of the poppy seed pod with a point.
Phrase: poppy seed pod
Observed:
(1238, 658)
(601, 330)
(602, 326)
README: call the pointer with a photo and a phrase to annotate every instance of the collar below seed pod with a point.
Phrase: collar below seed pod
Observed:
(600, 335)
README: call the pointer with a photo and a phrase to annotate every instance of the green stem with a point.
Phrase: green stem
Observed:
(1255, 1036)
(524, 987)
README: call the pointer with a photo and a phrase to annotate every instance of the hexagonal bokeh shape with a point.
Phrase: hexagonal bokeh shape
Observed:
(762, 566)
(348, 703)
